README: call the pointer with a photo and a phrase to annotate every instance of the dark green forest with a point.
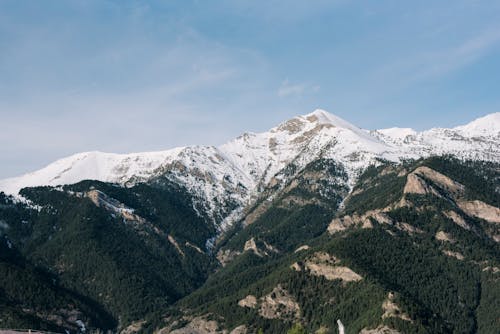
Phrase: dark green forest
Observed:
(62, 257)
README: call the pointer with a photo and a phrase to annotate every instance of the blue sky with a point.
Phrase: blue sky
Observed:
(124, 76)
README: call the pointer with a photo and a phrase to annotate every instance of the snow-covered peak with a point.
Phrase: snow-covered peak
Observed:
(107, 167)
(321, 116)
(488, 125)
(301, 140)
(480, 140)
(398, 133)
(235, 172)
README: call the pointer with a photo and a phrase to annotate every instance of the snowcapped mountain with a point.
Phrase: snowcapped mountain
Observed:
(234, 173)
(478, 140)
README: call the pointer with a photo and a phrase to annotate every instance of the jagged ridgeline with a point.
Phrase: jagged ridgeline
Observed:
(414, 249)
(291, 230)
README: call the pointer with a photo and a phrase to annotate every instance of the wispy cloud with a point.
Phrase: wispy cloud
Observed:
(442, 61)
(143, 75)
(289, 89)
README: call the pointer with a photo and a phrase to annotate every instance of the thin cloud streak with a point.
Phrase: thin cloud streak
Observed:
(430, 65)
(115, 76)
(296, 90)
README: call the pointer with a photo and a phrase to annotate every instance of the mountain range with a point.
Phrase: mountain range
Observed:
(292, 230)
(235, 173)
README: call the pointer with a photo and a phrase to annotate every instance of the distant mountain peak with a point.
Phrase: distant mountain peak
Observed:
(488, 125)
(321, 116)
(238, 170)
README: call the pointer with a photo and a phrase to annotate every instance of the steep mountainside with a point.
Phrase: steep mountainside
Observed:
(119, 252)
(223, 180)
(413, 250)
(311, 222)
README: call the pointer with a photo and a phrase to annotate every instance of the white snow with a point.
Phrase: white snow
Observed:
(488, 125)
(236, 171)
(397, 134)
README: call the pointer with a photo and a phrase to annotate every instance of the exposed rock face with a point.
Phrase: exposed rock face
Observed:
(331, 273)
(279, 304)
(176, 245)
(227, 255)
(365, 221)
(493, 270)
(379, 330)
(456, 255)
(326, 265)
(416, 183)
(342, 224)
(251, 245)
(240, 330)
(481, 210)
(102, 200)
(392, 310)
(224, 256)
(345, 222)
(292, 126)
(302, 248)
(132, 328)
(199, 325)
(443, 236)
(249, 301)
(196, 248)
(410, 229)
(457, 219)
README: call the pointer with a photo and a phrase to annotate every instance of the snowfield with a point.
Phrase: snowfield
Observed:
(236, 171)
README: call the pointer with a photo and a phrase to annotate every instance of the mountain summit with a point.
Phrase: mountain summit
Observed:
(313, 221)
(235, 172)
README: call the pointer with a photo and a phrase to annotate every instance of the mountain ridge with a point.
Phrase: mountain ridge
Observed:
(235, 171)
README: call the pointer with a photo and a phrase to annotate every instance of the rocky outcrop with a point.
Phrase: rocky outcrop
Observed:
(302, 248)
(251, 245)
(196, 248)
(240, 330)
(342, 224)
(176, 245)
(249, 301)
(416, 183)
(365, 221)
(224, 256)
(345, 274)
(348, 221)
(443, 236)
(326, 265)
(457, 219)
(279, 304)
(198, 325)
(379, 330)
(481, 210)
(456, 255)
(493, 270)
(102, 200)
(392, 310)
(132, 328)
